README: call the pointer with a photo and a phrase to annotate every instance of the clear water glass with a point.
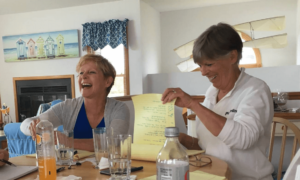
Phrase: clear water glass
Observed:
(100, 146)
(64, 146)
(119, 156)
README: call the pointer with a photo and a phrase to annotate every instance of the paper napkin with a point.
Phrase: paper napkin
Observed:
(103, 164)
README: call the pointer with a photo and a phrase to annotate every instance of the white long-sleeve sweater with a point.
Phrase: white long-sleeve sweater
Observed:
(245, 137)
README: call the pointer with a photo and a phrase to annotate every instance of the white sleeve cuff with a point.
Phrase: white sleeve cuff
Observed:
(25, 126)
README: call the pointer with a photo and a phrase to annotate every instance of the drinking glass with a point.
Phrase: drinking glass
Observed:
(119, 156)
(64, 146)
(100, 146)
(281, 99)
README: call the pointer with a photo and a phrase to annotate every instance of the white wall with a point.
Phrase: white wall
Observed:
(298, 32)
(286, 78)
(65, 19)
(179, 27)
(150, 40)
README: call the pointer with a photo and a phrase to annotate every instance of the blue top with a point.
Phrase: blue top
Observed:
(83, 129)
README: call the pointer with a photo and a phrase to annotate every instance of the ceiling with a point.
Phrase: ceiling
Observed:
(171, 5)
(20, 6)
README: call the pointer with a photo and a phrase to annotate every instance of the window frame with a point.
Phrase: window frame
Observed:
(89, 50)
(258, 63)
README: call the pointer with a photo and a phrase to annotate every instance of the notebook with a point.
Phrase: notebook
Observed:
(10, 172)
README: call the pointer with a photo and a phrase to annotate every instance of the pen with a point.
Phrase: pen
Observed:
(7, 162)
(60, 169)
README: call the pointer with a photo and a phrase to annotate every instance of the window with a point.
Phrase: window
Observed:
(251, 56)
(118, 57)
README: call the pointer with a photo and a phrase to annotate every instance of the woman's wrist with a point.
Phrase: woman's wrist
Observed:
(194, 104)
(181, 137)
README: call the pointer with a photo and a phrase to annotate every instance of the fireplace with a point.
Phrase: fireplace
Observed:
(30, 93)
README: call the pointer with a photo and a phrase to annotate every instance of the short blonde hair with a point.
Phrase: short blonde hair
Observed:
(103, 65)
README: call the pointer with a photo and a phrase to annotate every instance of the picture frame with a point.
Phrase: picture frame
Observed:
(41, 46)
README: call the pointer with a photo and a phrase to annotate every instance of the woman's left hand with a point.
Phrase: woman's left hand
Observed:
(183, 99)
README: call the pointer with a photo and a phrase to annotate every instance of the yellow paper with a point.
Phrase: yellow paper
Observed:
(196, 175)
(151, 119)
(150, 178)
(147, 152)
(205, 176)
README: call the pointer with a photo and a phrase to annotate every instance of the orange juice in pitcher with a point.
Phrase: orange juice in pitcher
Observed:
(45, 150)
(47, 168)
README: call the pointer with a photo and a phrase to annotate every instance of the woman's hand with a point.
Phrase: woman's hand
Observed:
(183, 99)
(3, 155)
(32, 128)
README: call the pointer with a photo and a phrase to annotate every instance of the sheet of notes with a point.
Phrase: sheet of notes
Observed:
(151, 119)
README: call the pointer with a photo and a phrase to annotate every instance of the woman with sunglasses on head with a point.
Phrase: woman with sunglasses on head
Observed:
(96, 76)
(234, 121)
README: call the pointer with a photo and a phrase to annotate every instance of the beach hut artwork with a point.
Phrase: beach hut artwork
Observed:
(40, 46)
(21, 49)
(31, 49)
(60, 45)
(49, 47)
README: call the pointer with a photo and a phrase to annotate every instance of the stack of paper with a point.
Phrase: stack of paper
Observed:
(151, 119)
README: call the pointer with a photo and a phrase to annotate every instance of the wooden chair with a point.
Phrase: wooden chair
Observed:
(285, 125)
(186, 117)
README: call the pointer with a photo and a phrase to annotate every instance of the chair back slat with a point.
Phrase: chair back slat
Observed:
(272, 140)
(282, 152)
(286, 125)
(294, 148)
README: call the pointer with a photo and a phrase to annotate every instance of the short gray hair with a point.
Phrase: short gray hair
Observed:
(217, 41)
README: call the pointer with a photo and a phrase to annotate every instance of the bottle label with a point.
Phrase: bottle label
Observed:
(171, 172)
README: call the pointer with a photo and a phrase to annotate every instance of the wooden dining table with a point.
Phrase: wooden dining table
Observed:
(88, 172)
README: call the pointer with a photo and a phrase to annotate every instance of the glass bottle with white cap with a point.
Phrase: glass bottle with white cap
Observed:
(172, 161)
(45, 150)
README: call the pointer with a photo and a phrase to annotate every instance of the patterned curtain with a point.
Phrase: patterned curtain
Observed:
(98, 35)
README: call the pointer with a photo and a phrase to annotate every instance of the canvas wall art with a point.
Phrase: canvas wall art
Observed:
(40, 46)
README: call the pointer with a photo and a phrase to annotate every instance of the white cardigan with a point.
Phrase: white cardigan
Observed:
(116, 115)
(245, 137)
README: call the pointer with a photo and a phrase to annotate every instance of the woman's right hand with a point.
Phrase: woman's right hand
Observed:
(183, 99)
(32, 128)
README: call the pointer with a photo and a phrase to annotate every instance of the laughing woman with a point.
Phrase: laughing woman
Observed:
(234, 121)
(93, 109)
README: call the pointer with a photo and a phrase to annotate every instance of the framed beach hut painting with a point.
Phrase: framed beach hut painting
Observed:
(40, 46)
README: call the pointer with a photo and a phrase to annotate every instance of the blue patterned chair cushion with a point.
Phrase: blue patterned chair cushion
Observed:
(18, 143)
